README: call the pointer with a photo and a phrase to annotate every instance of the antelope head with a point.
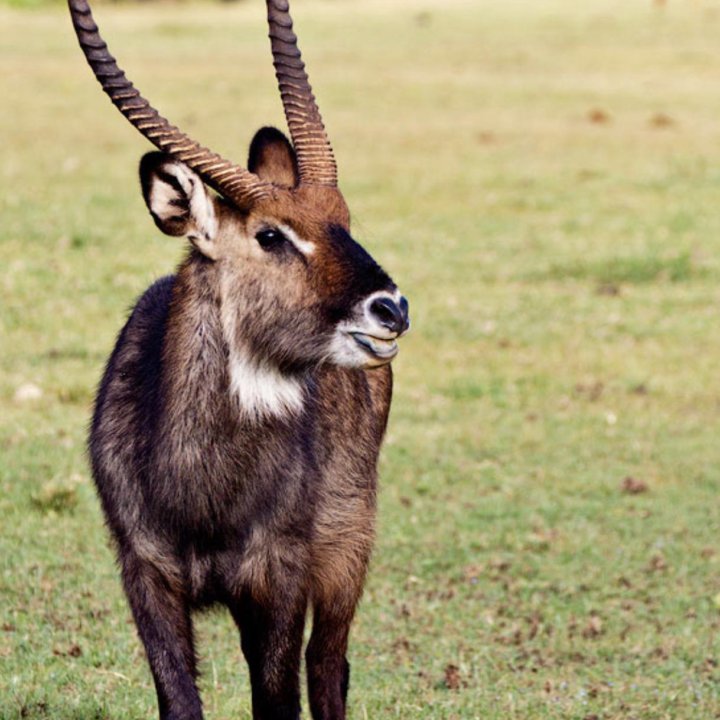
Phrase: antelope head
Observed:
(295, 289)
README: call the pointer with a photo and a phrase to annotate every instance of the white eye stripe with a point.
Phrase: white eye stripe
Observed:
(304, 246)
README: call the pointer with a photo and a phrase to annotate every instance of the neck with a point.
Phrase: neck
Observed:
(218, 367)
(259, 390)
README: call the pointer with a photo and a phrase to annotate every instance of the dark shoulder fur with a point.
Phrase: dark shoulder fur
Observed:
(147, 323)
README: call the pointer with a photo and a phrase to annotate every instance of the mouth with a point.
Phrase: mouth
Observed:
(380, 348)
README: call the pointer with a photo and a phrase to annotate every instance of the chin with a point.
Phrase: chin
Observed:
(355, 349)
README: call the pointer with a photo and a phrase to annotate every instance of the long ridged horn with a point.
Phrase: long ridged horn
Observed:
(230, 180)
(316, 161)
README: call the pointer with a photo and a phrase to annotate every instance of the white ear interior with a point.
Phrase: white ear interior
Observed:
(177, 192)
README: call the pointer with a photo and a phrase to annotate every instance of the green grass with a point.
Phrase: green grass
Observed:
(543, 180)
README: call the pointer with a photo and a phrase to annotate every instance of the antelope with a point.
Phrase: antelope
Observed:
(237, 426)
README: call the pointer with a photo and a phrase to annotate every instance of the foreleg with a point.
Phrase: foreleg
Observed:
(162, 616)
(271, 637)
(328, 671)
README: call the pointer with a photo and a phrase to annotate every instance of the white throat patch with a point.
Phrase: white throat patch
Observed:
(261, 390)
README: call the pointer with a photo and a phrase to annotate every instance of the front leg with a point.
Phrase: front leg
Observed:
(271, 631)
(328, 671)
(163, 621)
(340, 556)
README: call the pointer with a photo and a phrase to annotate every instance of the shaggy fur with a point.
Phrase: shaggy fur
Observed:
(215, 497)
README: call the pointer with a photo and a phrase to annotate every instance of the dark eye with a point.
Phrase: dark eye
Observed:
(269, 238)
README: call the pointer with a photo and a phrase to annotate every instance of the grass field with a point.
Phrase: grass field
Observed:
(543, 181)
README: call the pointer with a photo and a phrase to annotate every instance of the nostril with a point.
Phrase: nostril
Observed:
(405, 310)
(388, 313)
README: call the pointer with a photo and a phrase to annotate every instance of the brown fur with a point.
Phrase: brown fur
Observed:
(267, 509)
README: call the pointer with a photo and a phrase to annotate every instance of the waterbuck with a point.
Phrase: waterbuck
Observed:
(237, 427)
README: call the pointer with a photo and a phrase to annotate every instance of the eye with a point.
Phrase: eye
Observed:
(270, 238)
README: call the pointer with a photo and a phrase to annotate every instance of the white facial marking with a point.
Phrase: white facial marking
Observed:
(304, 246)
(345, 349)
(363, 340)
(369, 317)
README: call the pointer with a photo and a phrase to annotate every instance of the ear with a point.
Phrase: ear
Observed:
(272, 158)
(178, 201)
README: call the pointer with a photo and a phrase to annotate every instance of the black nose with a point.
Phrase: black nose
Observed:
(390, 314)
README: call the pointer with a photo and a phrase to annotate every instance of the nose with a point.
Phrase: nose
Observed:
(390, 314)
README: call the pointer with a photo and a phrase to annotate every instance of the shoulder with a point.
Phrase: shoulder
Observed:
(153, 304)
(136, 355)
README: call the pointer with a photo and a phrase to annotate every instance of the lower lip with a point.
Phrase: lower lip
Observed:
(380, 349)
